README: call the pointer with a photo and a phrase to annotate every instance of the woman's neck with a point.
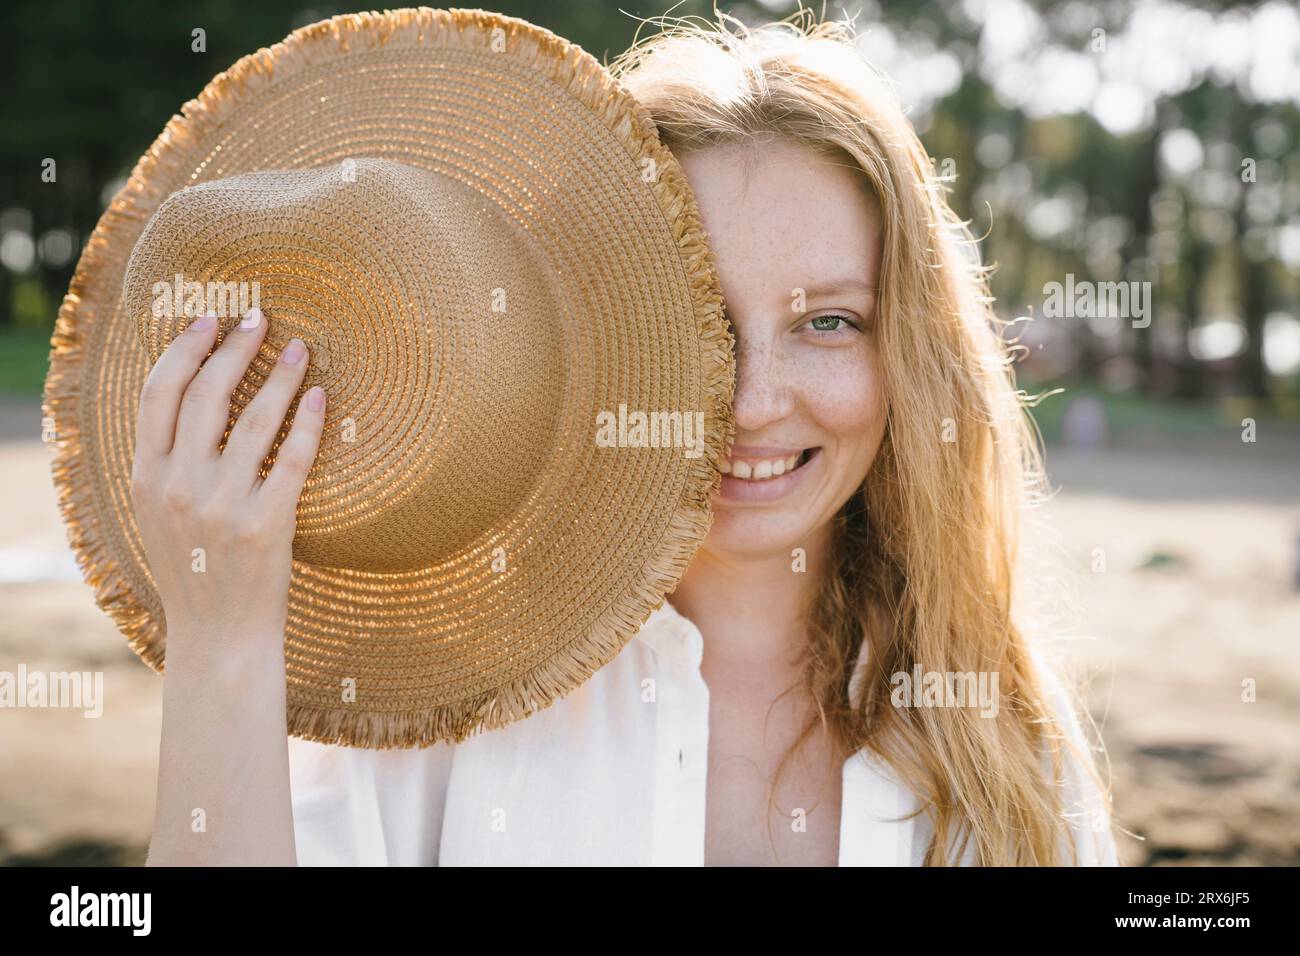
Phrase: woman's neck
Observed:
(751, 610)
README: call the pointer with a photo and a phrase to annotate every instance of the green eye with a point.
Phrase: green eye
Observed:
(827, 323)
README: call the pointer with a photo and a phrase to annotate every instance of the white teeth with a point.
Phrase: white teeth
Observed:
(760, 470)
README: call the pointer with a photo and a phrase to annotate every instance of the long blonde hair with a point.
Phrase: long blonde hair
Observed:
(925, 555)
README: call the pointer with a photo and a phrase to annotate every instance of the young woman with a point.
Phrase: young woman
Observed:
(864, 541)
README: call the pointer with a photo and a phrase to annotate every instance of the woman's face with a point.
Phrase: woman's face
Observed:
(797, 242)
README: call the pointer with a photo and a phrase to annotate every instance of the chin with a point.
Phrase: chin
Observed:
(753, 535)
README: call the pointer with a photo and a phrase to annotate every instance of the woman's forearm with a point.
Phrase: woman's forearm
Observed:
(223, 774)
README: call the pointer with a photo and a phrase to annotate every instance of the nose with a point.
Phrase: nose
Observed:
(764, 384)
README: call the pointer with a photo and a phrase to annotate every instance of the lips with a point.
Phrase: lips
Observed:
(758, 491)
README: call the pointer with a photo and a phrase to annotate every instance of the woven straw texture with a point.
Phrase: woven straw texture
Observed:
(488, 155)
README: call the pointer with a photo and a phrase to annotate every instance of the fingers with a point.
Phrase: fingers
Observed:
(205, 407)
(160, 399)
(294, 459)
(259, 423)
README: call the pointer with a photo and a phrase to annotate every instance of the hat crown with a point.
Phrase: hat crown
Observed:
(433, 323)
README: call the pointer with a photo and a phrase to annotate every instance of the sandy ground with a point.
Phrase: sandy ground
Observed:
(1200, 593)
(1201, 547)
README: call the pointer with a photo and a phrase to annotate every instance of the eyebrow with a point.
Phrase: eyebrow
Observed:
(828, 287)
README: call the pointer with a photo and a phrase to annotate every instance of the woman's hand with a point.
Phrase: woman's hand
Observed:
(218, 537)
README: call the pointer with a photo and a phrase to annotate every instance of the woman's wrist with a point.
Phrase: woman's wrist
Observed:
(228, 657)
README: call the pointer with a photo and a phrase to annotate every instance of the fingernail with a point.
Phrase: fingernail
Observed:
(250, 320)
(204, 322)
(293, 352)
(316, 398)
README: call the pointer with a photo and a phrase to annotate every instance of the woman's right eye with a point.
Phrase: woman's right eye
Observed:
(833, 328)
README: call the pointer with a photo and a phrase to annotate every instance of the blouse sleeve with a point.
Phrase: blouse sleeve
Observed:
(357, 807)
(1084, 803)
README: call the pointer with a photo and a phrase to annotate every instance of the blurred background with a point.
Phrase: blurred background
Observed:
(1086, 142)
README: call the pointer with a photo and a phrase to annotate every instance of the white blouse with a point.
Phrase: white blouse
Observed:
(612, 774)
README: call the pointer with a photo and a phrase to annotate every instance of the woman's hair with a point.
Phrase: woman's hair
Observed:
(925, 554)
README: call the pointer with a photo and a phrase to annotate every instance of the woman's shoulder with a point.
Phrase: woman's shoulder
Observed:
(387, 807)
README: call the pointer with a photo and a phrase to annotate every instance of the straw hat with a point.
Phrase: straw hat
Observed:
(501, 276)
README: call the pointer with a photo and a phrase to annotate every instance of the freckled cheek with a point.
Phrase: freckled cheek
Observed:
(844, 393)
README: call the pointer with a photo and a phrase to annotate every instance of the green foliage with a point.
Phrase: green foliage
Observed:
(32, 306)
(24, 360)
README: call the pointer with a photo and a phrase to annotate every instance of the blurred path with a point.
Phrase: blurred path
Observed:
(1197, 594)
(72, 789)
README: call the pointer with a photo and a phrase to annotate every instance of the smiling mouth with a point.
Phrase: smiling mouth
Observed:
(765, 469)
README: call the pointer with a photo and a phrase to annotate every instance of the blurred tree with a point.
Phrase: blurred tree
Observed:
(90, 84)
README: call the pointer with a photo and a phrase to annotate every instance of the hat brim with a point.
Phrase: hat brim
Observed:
(540, 128)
